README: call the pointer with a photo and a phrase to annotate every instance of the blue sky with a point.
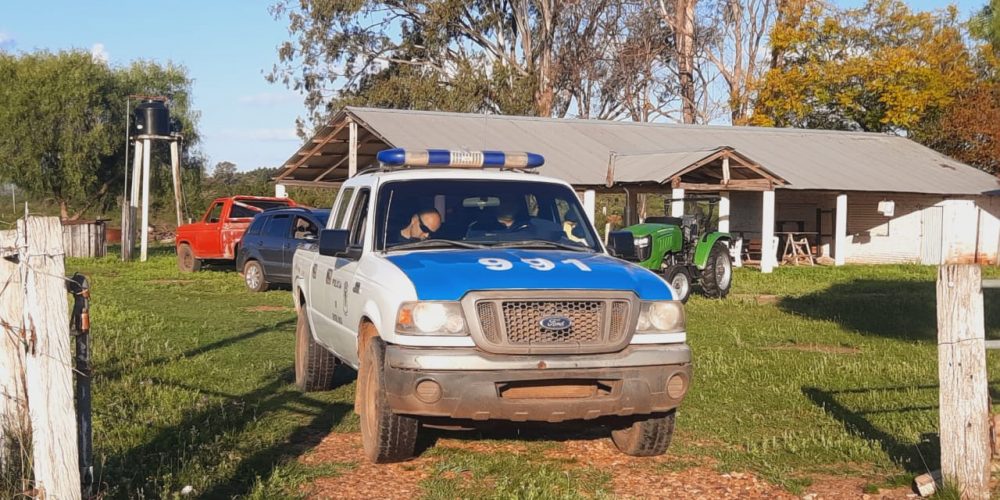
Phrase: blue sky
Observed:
(227, 46)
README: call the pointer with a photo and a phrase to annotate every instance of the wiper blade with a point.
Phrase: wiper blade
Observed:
(431, 243)
(543, 243)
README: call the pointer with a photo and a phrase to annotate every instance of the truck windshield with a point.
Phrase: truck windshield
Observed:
(480, 213)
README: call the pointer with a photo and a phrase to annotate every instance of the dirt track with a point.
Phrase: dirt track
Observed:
(633, 477)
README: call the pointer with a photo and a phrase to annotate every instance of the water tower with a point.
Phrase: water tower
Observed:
(151, 123)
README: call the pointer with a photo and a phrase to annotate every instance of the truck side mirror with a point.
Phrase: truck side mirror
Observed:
(621, 244)
(333, 242)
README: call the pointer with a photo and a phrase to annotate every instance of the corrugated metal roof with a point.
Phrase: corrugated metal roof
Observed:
(578, 150)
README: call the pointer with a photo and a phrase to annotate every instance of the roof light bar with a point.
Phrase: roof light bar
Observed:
(447, 158)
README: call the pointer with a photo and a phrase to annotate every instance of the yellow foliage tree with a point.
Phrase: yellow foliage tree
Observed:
(877, 68)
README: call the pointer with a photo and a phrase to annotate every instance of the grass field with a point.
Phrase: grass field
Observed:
(193, 387)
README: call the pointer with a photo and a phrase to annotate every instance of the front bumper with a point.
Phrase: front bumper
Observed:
(480, 386)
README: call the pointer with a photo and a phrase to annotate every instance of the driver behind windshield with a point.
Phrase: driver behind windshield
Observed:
(422, 225)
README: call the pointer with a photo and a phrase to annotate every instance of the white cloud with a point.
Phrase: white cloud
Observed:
(260, 134)
(98, 53)
(7, 42)
(269, 98)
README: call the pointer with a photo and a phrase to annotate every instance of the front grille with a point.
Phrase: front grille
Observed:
(515, 326)
(523, 321)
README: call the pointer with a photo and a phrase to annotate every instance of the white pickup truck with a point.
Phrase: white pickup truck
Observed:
(465, 288)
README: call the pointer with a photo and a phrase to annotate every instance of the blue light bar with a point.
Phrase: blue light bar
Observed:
(447, 158)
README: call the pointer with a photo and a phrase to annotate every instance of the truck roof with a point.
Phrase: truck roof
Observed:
(378, 176)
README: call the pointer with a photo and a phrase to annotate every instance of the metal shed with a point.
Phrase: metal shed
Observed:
(829, 182)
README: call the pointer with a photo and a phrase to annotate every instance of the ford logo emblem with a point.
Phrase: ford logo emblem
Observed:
(556, 323)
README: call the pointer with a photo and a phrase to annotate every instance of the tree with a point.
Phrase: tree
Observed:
(605, 58)
(985, 25)
(968, 129)
(224, 172)
(737, 48)
(879, 68)
(63, 117)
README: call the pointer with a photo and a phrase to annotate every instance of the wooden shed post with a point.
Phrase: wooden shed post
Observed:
(724, 212)
(590, 205)
(677, 202)
(47, 360)
(840, 231)
(964, 399)
(352, 149)
(631, 207)
(767, 249)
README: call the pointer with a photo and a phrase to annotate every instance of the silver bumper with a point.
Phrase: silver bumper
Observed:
(465, 359)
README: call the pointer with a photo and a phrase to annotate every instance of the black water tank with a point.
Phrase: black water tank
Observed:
(152, 118)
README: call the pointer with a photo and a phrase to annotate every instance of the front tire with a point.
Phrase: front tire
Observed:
(314, 365)
(680, 280)
(645, 438)
(253, 276)
(386, 436)
(717, 277)
(186, 260)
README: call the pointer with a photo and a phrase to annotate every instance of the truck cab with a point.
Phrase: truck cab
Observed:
(464, 293)
(216, 235)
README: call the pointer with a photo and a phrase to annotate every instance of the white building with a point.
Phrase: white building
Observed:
(858, 197)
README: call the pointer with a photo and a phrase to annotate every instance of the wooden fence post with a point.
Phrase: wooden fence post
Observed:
(13, 411)
(48, 361)
(964, 400)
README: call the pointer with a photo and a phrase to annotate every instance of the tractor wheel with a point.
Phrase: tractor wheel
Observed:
(385, 436)
(645, 438)
(314, 365)
(717, 277)
(186, 260)
(253, 276)
(680, 279)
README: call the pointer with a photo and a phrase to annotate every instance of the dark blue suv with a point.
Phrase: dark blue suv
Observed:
(265, 253)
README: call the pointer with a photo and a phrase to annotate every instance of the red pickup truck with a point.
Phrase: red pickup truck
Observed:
(218, 233)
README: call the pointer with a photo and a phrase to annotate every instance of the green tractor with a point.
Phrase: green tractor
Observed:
(674, 247)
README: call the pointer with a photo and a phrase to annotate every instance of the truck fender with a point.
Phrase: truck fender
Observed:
(705, 245)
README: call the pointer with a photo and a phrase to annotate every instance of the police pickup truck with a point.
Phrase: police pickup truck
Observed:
(465, 288)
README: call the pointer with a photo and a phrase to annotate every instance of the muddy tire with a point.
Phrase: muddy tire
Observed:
(645, 438)
(186, 260)
(386, 437)
(717, 277)
(680, 280)
(314, 365)
(253, 276)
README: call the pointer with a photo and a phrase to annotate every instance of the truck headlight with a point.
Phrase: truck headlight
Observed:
(431, 318)
(661, 316)
(642, 241)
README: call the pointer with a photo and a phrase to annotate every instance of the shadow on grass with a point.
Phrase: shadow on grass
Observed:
(905, 310)
(914, 458)
(214, 430)
(116, 372)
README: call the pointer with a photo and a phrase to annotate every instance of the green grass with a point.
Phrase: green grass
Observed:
(193, 387)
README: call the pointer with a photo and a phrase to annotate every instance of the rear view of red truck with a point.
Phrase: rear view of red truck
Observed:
(218, 233)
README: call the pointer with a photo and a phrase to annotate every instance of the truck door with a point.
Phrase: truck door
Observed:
(272, 249)
(206, 241)
(326, 294)
(352, 299)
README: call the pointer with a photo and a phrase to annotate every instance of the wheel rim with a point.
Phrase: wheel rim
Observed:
(252, 276)
(680, 284)
(723, 271)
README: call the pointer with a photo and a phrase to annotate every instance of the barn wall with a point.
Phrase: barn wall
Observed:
(970, 228)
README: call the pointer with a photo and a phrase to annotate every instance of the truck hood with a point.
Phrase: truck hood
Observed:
(450, 274)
